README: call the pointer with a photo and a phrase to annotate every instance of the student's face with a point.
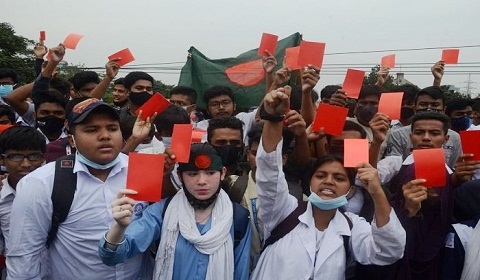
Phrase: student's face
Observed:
(465, 112)
(86, 89)
(202, 184)
(330, 180)
(119, 93)
(99, 138)
(5, 120)
(221, 106)
(141, 86)
(182, 101)
(6, 81)
(226, 136)
(428, 134)
(335, 145)
(18, 169)
(252, 153)
(48, 109)
(425, 102)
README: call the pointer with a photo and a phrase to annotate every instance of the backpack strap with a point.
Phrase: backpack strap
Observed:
(64, 187)
(241, 219)
(237, 190)
(346, 238)
(287, 225)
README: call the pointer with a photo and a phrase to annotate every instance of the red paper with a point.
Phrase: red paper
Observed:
(355, 151)
(268, 43)
(388, 61)
(42, 35)
(311, 53)
(125, 57)
(145, 175)
(331, 118)
(470, 143)
(391, 104)
(181, 142)
(156, 104)
(291, 58)
(3, 127)
(353, 82)
(197, 135)
(72, 40)
(450, 56)
(430, 165)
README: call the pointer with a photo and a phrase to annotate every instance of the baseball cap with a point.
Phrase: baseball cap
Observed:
(83, 109)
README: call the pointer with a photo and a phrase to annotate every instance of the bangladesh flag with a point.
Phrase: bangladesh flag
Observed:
(244, 74)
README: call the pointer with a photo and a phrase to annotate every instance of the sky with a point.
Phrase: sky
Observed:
(159, 32)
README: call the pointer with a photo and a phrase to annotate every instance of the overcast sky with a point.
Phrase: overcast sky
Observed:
(162, 31)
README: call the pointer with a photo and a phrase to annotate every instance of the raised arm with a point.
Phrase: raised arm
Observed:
(111, 68)
(437, 71)
(310, 78)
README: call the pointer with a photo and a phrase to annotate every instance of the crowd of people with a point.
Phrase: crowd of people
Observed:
(263, 196)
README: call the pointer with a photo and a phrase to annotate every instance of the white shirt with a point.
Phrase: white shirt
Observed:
(248, 120)
(74, 252)
(294, 256)
(7, 194)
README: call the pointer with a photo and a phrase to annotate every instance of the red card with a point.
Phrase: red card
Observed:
(331, 118)
(353, 82)
(391, 104)
(181, 142)
(145, 175)
(388, 61)
(42, 35)
(197, 135)
(125, 57)
(156, 104)
(3, 127)
(72, 40)
(268, 43)
(430, 165)
(355, 151)
(450, 56)
(470, 143)
(291, 58)
(311, 53)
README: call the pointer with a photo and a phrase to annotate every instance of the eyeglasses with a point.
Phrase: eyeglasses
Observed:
(224, 103)
(20, 157)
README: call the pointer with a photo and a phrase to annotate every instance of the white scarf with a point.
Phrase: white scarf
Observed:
(471, 268)
(217, 242)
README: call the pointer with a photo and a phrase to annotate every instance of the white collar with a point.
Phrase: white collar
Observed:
(6, 189)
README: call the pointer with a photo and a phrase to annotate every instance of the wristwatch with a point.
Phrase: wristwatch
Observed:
(272, 118)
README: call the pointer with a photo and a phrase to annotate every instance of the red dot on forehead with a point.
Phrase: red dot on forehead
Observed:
(203, 161)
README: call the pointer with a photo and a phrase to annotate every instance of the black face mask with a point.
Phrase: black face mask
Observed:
(139, 98)
(406, 113)
(229, 154)
(200, 204)
(366, 113)
(50, 124)
(430, 110)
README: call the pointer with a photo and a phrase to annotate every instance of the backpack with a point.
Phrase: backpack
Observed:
(291, 221)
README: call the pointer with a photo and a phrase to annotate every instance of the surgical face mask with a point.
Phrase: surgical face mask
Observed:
(139, 98)
(459, 124)
(50, 124)
(95, 165)
(366, 113)
(229, 154)
(406, 113)
(328, 204)
(167, 141)
(5, 90)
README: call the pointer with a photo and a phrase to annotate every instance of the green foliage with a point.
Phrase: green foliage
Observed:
(16, 53)
(164, 89)
(371, 78)
(453, 94)
(66, 71)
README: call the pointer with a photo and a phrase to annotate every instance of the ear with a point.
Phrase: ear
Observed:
(2, 161)
(193, 108)
(71, 141)
(284, 159)
(179, 174)
(446, 138)
(223, 173)
(234, 106)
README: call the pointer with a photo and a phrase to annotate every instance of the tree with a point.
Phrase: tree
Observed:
(16, 53)
(452, 94)
(371, 79)
(164, 89)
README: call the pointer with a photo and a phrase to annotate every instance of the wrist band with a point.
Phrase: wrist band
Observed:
(266, 116)
(111, 243)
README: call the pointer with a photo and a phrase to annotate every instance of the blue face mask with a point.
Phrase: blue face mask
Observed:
(167, 141)
(463, 123)
(5, 90)
(328, 204)
(95, 165)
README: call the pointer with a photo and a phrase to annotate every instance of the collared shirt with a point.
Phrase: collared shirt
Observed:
(295, 256)
(7, 194)
(399, 144)
(189, 263)
(74, 252)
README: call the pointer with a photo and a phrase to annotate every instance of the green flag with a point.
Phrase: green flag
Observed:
(244, 74)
